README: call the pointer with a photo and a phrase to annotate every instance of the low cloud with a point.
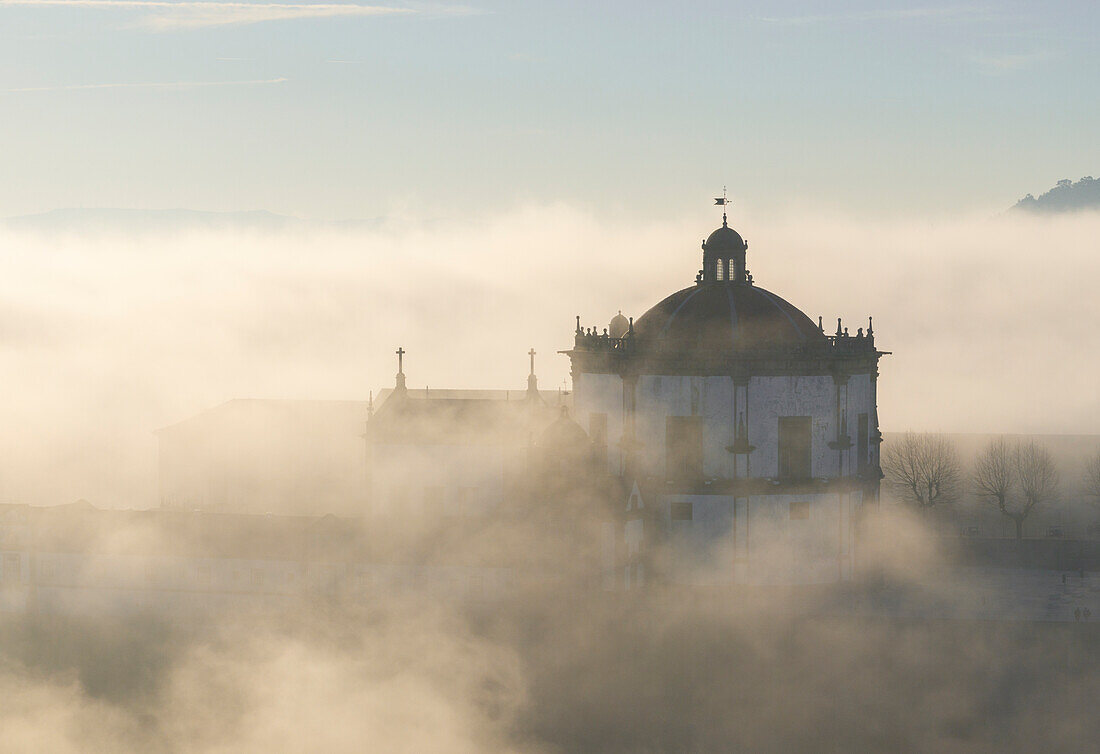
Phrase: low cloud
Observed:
(551, 666)
(113, 333)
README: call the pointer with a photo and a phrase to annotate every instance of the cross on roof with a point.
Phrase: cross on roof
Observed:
(400, 360)
(531, 353)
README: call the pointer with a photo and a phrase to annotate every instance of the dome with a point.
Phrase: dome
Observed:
(724, 239)
(619, 326)
(715, 320)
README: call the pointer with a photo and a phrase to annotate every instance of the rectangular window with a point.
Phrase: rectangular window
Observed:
(800, 511)
(794, 447)
(597, 431)
(684, 447)
(681, 511)
(862, 460)
(597, 428)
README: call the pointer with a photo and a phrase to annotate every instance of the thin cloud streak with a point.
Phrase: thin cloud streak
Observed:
(146, 85)
(190, 14)
(892, 14)
(994, 64)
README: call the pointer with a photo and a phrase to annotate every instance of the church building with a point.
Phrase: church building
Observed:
(746, 436)
(446, 453)
(720, 438)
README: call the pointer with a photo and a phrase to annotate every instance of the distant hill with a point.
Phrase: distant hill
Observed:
(1067, 196)
(105, 219)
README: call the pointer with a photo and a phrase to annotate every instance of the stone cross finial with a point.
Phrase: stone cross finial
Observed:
(532, 380)
(400, 385)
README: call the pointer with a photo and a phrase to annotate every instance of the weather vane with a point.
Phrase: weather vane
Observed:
(722, 202)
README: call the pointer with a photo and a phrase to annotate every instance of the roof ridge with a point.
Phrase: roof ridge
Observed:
(774, 300)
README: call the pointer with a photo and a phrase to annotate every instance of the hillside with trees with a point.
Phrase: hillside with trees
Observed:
(1067, 196)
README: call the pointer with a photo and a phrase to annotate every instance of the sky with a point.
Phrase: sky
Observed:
(340, 110)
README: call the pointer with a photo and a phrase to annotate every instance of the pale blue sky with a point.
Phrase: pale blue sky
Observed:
(621, 107)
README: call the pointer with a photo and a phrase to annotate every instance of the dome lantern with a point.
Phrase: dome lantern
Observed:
(724, 253)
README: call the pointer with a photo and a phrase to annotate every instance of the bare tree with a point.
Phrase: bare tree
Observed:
(1016, 476)
(994, 474)
(923, 469)
(1092, 479)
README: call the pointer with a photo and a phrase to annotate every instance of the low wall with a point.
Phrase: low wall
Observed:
(1050, 554)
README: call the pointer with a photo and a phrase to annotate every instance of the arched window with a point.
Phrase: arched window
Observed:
(720, 269)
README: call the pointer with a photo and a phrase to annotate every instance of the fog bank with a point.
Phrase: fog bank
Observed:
(105, 337)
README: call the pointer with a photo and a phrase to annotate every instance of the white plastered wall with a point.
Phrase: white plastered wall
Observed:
(712, 398)
(602, 394)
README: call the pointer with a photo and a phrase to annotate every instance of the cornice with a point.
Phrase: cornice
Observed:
(739, 368)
